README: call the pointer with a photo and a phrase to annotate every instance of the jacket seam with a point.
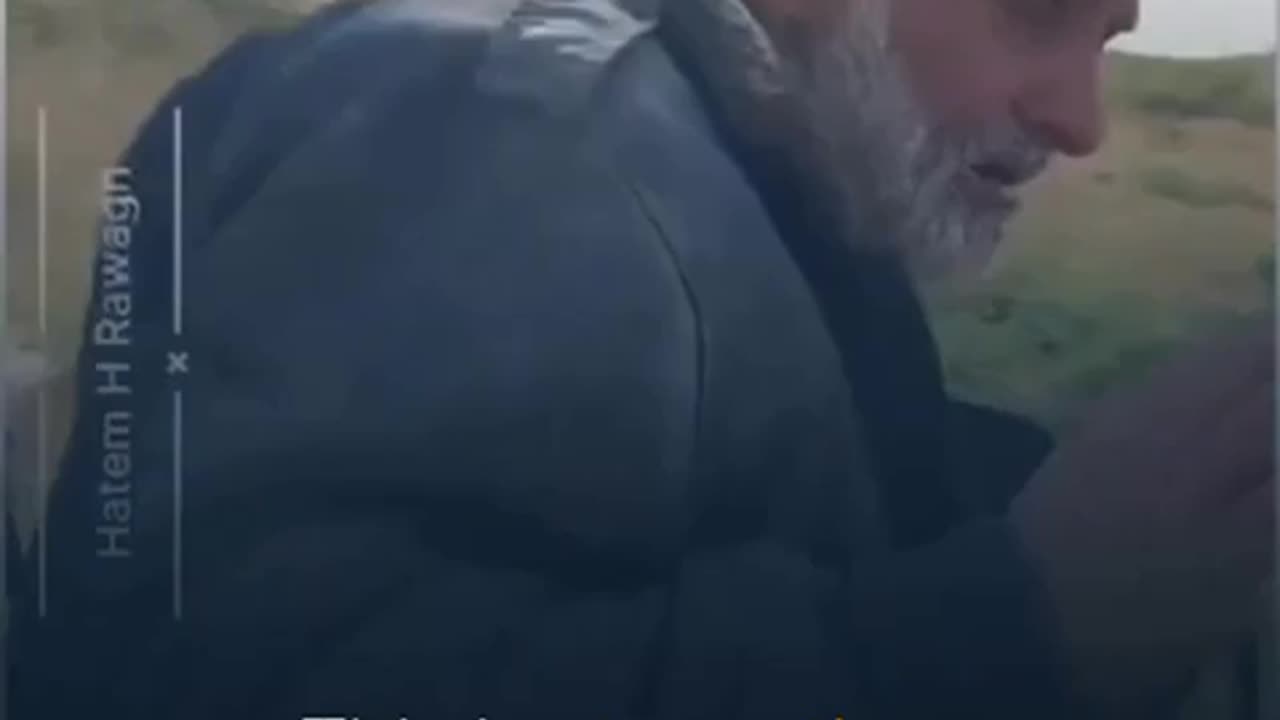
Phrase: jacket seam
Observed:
(642, 203)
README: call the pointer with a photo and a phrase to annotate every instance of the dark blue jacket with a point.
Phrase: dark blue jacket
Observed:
(516, 389)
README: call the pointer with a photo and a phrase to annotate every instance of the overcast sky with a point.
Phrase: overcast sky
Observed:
(1203, 27)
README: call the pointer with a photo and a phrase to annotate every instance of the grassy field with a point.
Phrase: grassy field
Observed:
(1118, 259)
(95, 69)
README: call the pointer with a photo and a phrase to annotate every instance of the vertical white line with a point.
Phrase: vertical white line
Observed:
(177, 504)
(42, 240)
(1269, 648)
(177, 332)
(1269, 663)
(177, 221)
(5, 346)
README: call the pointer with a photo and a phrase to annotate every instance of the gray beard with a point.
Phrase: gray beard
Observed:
(838, 106)
(895, 173)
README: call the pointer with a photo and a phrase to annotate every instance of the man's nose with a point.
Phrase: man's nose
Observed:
(1062, 105)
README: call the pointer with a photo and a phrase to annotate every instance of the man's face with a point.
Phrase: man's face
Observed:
(1035, 62)
(934, 110)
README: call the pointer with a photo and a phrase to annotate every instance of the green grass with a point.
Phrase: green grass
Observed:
(156, 28)
(1181, 187)
(1051, 352)
(1239, 88)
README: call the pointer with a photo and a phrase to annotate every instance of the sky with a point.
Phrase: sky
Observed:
(1203, 27)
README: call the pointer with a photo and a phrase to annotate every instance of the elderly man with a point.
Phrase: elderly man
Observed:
(560, 359)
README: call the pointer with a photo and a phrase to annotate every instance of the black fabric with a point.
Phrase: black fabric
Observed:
(990, 454)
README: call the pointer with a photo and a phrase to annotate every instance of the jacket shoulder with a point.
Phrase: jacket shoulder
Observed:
(555, 52)
(558, 52)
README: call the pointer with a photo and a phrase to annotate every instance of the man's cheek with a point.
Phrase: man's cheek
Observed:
(966, 91)
(961, 72)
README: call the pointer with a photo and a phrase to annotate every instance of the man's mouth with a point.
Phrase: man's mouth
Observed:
(992, 185)
(999, 173)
